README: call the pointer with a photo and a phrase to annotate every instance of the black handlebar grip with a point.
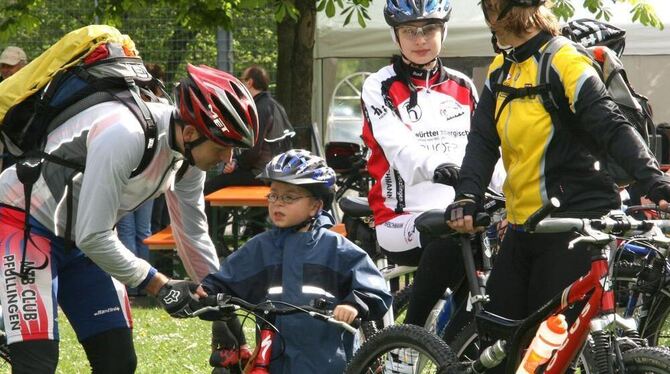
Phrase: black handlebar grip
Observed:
(356, 323)
(210, 300)
(541, 214)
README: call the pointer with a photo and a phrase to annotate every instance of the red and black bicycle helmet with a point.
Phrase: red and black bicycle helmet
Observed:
(218, 105)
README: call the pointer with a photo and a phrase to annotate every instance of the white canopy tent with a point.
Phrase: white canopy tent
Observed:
(647, 55)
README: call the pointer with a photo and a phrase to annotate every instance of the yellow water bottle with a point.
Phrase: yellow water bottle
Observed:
(549, 337)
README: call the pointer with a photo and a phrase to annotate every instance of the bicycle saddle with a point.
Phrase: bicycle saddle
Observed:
(355, 206)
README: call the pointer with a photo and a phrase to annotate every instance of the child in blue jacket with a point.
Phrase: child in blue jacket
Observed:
(300, 260)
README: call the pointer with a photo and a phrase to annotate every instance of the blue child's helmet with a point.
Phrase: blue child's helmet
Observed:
(397, 12)
(302, 168)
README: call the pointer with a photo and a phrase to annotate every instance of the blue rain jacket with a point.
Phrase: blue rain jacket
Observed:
(297, 267)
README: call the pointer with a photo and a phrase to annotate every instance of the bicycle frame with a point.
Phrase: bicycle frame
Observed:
(265, 315)
(260, 363)
(598, 312)
(600, 303)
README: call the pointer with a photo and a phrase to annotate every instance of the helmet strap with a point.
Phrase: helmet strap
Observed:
(497, 47)
(414, 64)
(188, 148)
(310, 222)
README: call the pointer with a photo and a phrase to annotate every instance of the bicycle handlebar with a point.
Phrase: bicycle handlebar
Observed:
(431, 222)
(600, 230)
(221, 302)
(541, 213)
(638, 208)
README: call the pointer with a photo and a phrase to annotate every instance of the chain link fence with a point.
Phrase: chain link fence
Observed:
(159, 38)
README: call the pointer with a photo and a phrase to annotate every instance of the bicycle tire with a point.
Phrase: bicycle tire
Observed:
(4, 352)
(465, 344)
(381, 350)
(656, 325)
(368, 329)
(647, 360)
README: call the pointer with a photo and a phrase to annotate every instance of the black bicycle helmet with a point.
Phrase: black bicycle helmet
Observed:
(590, 33)
(302, 168)
(511, 4)
(397, 12)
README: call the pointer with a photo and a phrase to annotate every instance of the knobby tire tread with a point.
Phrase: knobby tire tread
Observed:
(401, 336)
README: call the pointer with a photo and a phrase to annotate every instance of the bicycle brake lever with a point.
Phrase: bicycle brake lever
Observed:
(593, 237)
(586, 239)
(658, 237)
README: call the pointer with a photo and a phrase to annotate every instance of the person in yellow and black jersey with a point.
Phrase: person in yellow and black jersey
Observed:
(543, 158)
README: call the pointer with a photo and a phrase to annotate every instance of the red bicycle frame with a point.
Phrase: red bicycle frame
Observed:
(261, 359)
(601, 301)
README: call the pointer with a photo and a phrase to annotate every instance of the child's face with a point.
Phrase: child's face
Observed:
(302, 207)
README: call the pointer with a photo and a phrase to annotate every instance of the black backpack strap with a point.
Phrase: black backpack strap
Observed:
(28, 171)
(132, 100)
(512, 93)
(119, 89)
(497, 86)
(543, 76)
(69, 203)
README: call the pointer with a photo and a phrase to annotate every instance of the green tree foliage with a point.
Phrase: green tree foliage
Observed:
(161, 33)
(278, 34)
(641, 11)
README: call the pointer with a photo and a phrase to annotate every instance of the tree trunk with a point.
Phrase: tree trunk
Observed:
(295, 63)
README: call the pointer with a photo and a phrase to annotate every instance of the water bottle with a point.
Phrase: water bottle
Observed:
(549, 337)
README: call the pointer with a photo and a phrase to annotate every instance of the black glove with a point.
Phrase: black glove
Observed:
(660, 191)
(446, 174)
(178, 298)
(464, 205)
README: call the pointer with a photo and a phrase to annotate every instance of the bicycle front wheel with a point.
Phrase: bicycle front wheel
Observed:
(402, 349)
(647, 360)
(655, 327)
(4, 350)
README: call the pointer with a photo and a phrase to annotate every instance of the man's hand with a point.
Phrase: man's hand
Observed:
(459, 214)
(345, 313)
(229, 167)
(660, 194)
(180, 298)
(446, 174)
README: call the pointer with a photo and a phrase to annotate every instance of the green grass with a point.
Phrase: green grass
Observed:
(163, 344)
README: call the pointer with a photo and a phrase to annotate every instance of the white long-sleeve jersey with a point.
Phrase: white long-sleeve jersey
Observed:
(110, 140)
(407, 143)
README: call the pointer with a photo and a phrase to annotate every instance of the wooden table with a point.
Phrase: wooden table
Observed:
(163, 245)
(237, 198)
(160, 241)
